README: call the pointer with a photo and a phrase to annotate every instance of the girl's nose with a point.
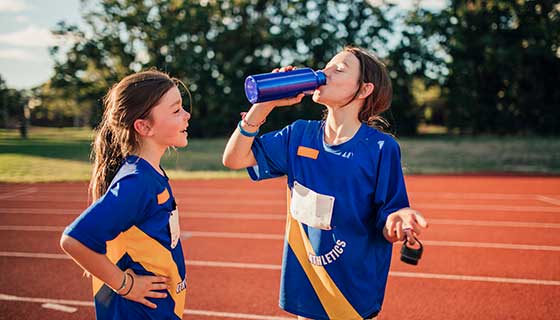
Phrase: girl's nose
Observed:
(187, 115)
(328, 71)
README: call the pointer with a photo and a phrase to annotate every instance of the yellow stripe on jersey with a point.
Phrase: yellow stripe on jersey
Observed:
(307, 152)
(333, 301)
(163, 196)
(152, 256)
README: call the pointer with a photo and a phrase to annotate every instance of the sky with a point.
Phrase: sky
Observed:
(25, 36)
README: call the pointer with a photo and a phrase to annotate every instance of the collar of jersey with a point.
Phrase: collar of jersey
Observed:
(140, 161)
(346, 145)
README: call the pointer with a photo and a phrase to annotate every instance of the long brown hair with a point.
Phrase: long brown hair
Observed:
(372, 70)
(130, 99)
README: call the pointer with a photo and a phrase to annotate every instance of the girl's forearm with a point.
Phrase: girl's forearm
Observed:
(238, 154)
(95, 263)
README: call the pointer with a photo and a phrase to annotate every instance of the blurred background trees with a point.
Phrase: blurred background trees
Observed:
(14, 106)
(473, 67)
(504, 65)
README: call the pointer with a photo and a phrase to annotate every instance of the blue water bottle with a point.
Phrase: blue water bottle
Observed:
(278, 85)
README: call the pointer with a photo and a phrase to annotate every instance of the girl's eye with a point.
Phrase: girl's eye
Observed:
(177, 111)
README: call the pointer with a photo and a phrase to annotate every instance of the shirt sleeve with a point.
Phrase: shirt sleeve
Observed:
(271, 152)
(390, 195)
(122, 206)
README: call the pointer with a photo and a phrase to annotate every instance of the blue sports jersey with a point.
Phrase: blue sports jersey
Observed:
(339, 273)
(130, 225)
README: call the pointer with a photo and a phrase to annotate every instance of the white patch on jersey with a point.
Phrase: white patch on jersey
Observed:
(174, 228)
(311, 208)
(380, 143)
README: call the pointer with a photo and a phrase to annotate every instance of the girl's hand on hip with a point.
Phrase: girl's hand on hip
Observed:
(407, 223)
(145, 287)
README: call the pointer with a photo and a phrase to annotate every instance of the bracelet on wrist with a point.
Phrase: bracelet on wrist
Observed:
(131, 285)
(247, 123)
(123, 284)
(246, 133)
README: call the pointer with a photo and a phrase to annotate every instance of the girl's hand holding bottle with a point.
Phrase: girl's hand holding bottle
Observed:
(256, 116)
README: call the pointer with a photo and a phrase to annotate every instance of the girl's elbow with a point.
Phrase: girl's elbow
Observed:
(66, 243)
(226, 161)
(230, 163)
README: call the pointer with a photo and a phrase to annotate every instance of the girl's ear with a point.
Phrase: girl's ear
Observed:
(367, 89)
(142, 127)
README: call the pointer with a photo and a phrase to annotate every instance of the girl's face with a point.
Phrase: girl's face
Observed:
(342, 72)
(169, 121)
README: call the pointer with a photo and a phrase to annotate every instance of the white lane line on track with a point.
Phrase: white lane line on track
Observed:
(241, 216)
(225, 264)
(44, 211)
(201, 263)
(270, 236)
(33, 228)
(486, 207)
(234, 235)
(234, 315)
(548, 200)
(35, 255)
(489, 223)
(190, 200)
(8, 297)
(188, 214)
(17, 193)
(282, 217)
(208, 313)
(188, 191)
(184, 234)
(490, 245)
(476, 196)
(473, 278)
(240, 265)
(417, 205)
(59, 307)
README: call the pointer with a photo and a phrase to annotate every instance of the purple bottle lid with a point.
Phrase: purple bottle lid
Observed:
(251, 90)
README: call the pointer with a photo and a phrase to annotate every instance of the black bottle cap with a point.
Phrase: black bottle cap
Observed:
(411, 255)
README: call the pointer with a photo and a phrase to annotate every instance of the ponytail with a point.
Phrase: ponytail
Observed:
(106, 154)
(107, 158)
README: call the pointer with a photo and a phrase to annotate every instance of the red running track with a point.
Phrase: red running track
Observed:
(492, 250)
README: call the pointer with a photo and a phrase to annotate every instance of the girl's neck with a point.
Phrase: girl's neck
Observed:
(152, 154)
(341, 125)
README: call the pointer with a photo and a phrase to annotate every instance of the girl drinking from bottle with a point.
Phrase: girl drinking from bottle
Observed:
(347, 196)
(128, 239)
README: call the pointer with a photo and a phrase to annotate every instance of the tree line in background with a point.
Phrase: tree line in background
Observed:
(475, 66)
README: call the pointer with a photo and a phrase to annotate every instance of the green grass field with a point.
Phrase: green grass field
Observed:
(52, 154)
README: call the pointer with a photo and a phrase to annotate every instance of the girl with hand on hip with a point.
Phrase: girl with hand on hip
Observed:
(128, 239)
(347, 195)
